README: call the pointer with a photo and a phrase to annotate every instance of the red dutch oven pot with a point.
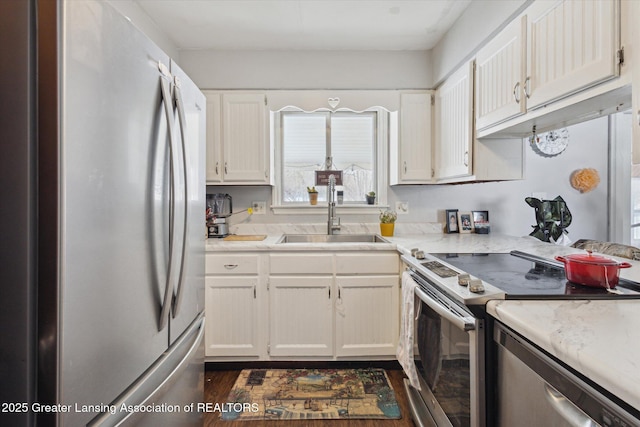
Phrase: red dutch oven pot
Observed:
(592, 270)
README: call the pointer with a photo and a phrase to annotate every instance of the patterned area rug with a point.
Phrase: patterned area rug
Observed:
(311, 394)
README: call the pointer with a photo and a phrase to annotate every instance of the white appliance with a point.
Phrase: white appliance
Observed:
(103, 189)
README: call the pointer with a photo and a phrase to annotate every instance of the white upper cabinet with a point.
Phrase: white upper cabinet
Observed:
(237, 139)
(636, 87)
(454, 125)
(410, 159)
(572, 45)
(215, 162)
(500, 76)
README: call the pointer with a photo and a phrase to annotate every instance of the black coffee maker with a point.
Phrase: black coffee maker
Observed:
(219, 208)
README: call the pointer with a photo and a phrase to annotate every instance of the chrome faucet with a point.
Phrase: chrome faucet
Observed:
(331, 223)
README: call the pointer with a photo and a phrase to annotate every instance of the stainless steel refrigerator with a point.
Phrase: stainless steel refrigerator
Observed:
(102, 194)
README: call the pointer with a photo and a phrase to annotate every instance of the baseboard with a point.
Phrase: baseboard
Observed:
(351, 364)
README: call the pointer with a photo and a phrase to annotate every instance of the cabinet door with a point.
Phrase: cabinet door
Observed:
(413, 157)
(233, 315)
(454, 130)
(214, 148)
(572, 45)
(244, 137)
(300, 316)
(500, 75)
(367, 315)
(635, 10)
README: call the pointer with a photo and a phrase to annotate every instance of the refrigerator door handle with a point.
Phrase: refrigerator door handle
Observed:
(183, 258)
(168, 289)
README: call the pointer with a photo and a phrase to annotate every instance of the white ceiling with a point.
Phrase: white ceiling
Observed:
(304, 24)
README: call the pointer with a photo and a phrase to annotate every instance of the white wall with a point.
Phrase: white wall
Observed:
(308, 69)
(478, 24)
(509, 213)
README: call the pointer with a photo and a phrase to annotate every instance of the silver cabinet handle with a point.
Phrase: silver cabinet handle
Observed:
(563, 406)
(182, 122)
(466, 158)
(168, 287)
(217, 163)
(516, 92)
(254, 291)
(527, 89)
(230, 266)
(405, 166)
(225, 168)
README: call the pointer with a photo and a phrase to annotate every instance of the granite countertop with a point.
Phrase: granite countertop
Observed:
(597, 338)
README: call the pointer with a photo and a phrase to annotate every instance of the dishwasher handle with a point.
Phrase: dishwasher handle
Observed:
(565, 408)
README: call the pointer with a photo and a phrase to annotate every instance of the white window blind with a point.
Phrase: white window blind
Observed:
(308, 139)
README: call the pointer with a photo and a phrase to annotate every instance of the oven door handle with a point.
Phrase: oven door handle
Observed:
(466, 323)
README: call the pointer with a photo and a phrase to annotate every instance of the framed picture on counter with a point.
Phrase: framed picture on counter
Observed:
(481, 221)
(452, 221)
(465, 222)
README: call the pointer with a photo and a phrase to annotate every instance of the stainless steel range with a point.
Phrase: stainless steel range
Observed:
(455, 357)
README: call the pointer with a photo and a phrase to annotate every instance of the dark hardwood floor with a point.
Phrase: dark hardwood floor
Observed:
(218, 383)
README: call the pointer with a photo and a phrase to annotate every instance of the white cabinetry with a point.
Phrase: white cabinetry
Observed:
(300, 304)
(334, 305)
(367, 308)
(572, 45)
(237, 138)
(410, 160)
(234, 306)
(454, 125)
(367, 315)
(635, 13)
(500, 76)
(301, 311)
(303, 305)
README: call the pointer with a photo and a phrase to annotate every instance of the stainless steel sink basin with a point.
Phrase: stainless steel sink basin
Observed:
(333, 238)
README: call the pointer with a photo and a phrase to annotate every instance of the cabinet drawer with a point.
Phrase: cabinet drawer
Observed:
(301, 263)
(377, 263)
(232, 264)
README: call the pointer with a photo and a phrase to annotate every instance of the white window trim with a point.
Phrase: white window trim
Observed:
(382, 168)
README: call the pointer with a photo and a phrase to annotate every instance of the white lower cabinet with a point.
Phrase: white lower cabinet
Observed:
(308, 305)
(301, 312)
(232, 316)
(234, 306)
(367, 313)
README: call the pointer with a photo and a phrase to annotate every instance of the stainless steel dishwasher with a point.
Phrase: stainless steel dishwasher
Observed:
(535, 390)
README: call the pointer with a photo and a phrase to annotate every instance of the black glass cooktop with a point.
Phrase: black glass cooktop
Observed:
(524, 278)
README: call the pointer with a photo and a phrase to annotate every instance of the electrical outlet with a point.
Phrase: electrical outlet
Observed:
(402, 208)
(259, 208)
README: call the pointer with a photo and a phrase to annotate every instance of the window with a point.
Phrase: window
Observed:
(345, 140)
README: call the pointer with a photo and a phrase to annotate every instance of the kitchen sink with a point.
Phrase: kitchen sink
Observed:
(332, 238)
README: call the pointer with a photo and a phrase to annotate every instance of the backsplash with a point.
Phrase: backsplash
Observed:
(347, 228)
